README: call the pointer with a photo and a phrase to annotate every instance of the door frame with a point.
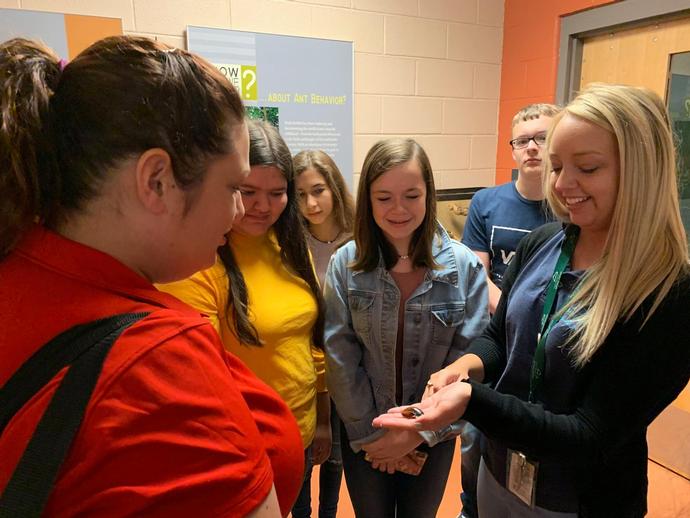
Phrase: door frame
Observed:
(600, 20)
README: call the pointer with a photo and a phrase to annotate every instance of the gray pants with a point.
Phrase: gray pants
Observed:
(495, 501)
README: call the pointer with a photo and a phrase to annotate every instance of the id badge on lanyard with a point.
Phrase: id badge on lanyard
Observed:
(521, 476)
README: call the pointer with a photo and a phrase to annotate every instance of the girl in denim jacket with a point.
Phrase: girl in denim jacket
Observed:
(403, 300)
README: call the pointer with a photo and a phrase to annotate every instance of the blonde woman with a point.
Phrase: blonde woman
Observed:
(581, 364)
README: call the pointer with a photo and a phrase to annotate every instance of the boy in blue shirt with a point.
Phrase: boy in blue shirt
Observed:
(501, 216)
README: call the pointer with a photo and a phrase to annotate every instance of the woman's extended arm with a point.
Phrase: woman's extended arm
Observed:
(636, 374)
(485, 357)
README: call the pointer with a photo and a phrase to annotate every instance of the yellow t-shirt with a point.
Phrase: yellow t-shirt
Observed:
(283, 310)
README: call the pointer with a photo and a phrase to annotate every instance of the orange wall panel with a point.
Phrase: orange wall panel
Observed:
(530, 61)
(82, 31)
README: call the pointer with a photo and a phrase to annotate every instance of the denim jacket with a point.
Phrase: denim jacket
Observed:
(444, 313)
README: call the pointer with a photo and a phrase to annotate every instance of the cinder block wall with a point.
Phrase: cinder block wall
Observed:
(429, 69)
(530, 61)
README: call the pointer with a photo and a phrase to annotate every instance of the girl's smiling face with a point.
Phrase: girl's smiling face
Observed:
(398, 203)
(585, 171)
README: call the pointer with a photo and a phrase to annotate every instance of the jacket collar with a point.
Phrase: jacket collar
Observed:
(442, 252)
(445, 258)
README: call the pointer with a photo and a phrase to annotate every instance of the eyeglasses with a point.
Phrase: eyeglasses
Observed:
(523, 142)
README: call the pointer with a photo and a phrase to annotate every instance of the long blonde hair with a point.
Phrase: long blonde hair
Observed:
(646, 249)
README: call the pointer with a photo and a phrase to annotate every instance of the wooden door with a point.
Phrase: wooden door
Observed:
(639, 56)
(642, 56)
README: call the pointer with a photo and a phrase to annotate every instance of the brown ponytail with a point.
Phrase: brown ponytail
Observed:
(29, 74)
(63, 132)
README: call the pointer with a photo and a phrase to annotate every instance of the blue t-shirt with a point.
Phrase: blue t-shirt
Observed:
(498, 219)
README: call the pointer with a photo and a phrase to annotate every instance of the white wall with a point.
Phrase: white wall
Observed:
(429, 69)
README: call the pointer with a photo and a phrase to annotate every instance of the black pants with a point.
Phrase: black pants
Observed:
(330, 476)
(377, 494)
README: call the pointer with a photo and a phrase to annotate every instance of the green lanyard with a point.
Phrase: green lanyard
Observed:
(548, 323)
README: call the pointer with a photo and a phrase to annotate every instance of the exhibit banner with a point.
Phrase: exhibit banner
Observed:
(303, 86)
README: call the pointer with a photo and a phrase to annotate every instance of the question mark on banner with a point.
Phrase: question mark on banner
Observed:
(249, 88)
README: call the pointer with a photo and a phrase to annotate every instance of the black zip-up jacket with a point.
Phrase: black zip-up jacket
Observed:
(634, 375)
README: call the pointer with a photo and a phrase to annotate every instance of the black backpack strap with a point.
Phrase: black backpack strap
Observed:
(85, 348)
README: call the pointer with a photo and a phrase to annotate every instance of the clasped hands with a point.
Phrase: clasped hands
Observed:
(390, 452)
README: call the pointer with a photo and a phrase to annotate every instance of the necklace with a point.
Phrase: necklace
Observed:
(403, 257)
(327, 242)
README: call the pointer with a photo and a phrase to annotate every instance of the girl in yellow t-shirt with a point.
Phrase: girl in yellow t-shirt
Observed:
(263, 296)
